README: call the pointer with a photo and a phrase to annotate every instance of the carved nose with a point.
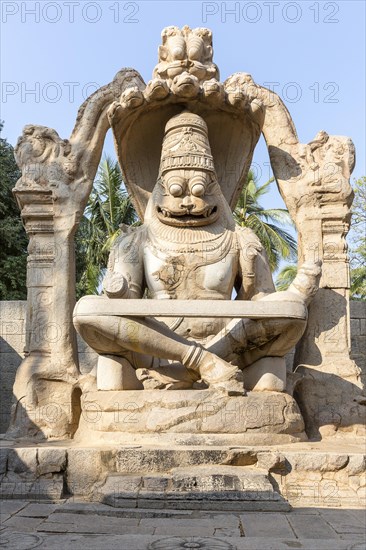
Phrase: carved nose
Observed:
(187, 203)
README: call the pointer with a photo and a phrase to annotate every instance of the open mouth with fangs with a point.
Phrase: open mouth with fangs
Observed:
(188, 217)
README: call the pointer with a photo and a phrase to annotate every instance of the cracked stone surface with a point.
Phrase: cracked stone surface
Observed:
(77, 524)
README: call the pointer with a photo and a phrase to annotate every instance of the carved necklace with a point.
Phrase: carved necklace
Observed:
(177, 240)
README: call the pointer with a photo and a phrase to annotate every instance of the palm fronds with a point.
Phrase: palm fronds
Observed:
(108, 207)
(267, 224)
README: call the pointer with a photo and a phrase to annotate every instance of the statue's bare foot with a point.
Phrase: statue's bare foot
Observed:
(220, 375)
(234, 386)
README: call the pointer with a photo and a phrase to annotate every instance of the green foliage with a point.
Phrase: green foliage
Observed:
(14, 241)
(358, 241)
(267, 224)
(109, 207)
(286, 276)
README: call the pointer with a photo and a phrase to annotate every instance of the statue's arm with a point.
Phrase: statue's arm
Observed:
(125, 274)
(255, 278)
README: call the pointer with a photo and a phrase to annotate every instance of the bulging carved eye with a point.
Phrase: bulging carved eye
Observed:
(175, 189)
(175, 185)
(198, 189)
(198, 186)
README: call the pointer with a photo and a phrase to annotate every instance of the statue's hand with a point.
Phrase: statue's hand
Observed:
(303, 288)
(306, 282)
(115, 285)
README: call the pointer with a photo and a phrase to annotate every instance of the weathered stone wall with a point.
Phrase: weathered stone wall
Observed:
(12, 342)
(358, 336)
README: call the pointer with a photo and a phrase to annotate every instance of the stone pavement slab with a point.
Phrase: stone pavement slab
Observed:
(10, 507)
(344, 521)
(263, 524)
(193, 527)
(305, 526)
(359, 515)
(38, 510)
(81, 525)
(18, 523)
(77, 507)
(93, 523)
(27, 541)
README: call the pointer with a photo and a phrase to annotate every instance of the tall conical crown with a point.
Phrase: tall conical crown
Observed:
(186, 144)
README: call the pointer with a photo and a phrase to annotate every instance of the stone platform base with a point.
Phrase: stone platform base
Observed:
(186, 417)
(213, 487)
(326, 474)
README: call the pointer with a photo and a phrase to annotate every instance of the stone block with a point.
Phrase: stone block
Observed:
(13, 309)
(356, 464)
(84, 470)
(13, 342)
(51, 460)
(23, 461)
(119, 486)
(222, 482)
(10, 361)
(156, 483)
(134, 460)
(317, 462)
(3, 460)
(355, 327)
(357, 309)
(39, 489)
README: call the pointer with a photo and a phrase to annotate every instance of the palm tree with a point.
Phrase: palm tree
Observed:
(108, 208)
(266, 223)
(358, 241)
(286, 276)
(358, 272)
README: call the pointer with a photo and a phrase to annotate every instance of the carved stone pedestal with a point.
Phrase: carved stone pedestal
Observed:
(324, 474)
(186, 417)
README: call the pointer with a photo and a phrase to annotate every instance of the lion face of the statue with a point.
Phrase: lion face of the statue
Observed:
(187, 198)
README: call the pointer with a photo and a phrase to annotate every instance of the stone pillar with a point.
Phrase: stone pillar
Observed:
(46, 380)
(330, 389)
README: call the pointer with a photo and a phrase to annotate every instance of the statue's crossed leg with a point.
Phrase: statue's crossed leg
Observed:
(218, 363)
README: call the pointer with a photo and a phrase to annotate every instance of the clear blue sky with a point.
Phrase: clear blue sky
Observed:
(63, 50)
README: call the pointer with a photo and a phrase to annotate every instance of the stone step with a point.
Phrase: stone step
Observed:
(211, 487)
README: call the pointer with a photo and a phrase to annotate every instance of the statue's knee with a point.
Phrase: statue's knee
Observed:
(85, 326)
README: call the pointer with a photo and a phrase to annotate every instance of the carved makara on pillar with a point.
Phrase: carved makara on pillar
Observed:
(177, 140)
